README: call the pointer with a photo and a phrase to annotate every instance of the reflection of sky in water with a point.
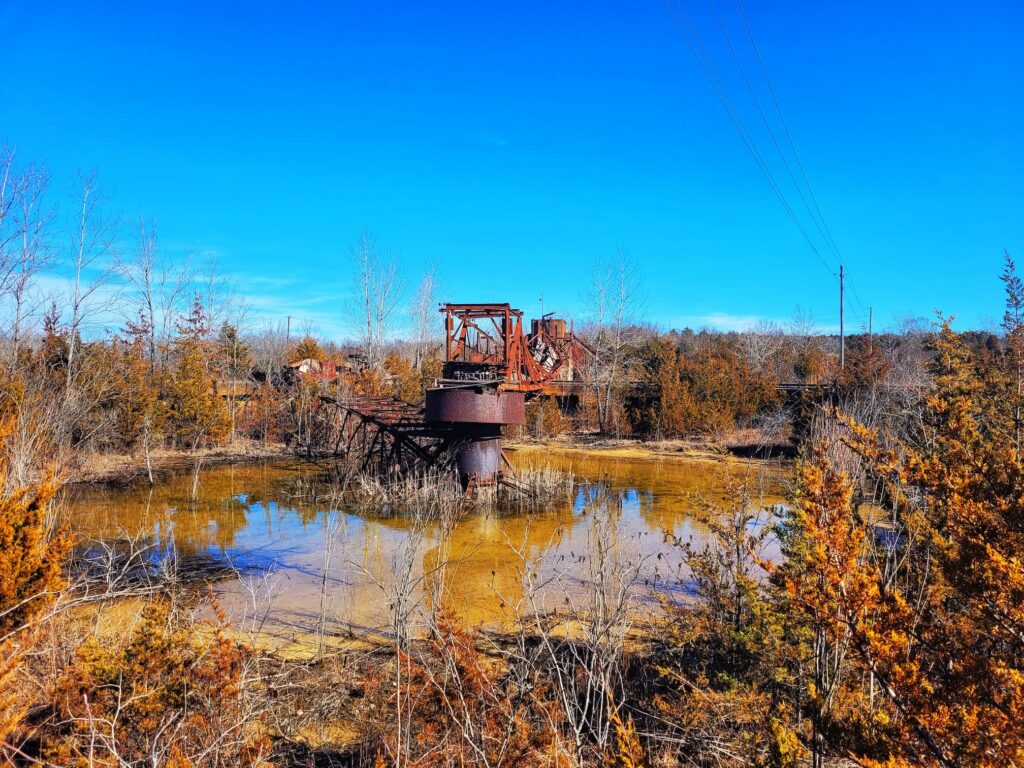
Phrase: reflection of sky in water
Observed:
(257, 518)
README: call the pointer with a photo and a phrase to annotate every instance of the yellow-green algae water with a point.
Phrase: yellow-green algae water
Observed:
(307, 564)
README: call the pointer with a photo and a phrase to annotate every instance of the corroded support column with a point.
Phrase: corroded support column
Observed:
(476, 416)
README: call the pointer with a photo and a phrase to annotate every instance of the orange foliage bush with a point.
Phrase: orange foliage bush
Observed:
(168, 696)
(139, 408)
(468, 713)
(709, 392)
(308, 349)
(916, 621)
(544, 418)
(31, 576)
(405, 379)
(32, 561)
(264, 415)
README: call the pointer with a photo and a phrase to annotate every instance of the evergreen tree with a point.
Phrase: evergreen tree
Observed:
(235, 365)
(140, 413)
(196, 411)
(308, 349)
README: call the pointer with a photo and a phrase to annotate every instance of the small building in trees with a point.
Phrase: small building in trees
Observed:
(310, 367)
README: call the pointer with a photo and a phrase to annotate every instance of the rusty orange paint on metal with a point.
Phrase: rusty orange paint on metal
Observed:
(487, 342)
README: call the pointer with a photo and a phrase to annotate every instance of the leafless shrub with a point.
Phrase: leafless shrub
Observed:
(137, 566)
(573, 621)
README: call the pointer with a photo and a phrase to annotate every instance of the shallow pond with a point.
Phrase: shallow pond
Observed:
(307, 564)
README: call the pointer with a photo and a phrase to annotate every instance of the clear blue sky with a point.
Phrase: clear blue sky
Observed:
(513, 143)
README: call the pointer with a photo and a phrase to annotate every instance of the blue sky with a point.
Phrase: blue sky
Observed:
(513, 144)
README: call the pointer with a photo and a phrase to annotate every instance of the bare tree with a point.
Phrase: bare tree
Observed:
(29, 253)
(156, 286)
(809, 347)
(377, 292)
(762, 344)
(802, 324)
(37, 436)
(424, 315)
(614, 298)
(269, 348)
(223, 302)
(6, 194)
(92, 264)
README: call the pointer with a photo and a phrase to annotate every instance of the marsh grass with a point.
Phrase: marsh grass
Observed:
(436, 494)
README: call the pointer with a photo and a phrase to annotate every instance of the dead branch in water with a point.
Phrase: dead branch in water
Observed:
(138, 566)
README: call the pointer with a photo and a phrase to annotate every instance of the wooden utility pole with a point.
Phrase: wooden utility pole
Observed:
(871, 334)
(842, 327)
(288, 329)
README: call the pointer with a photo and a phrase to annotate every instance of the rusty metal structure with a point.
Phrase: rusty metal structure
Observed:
(491, 367)
(385, 434)
(560, 351)
(484, 343)
(487, 343)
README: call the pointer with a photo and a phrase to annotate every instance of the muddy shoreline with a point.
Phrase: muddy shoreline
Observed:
(689, 450)
(113, 469)
(121, 470)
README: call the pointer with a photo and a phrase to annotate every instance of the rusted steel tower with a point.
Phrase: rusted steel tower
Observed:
(491, 367)
(487, 373)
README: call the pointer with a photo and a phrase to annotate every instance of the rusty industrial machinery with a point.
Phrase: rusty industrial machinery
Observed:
(491, 367)
(487, 343)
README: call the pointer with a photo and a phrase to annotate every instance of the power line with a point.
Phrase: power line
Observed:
(860, 308)
(693, 40)
(785, 126)
(707, 67)
(822, 230)
(816, 215)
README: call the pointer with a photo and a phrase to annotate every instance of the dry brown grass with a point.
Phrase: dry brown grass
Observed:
(110, 467)
(439, 493)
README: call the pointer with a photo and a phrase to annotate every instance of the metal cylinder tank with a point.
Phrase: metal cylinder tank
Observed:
(476, 415)
(479, 460)
(475, 405)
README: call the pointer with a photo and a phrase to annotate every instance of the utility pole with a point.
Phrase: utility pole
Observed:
(871, 335)
(288, 330)
(842, 327)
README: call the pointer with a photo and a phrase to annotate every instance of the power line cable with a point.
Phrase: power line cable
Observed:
(856, 298)
(771, 133)
(785, 126)
(823, 228)
(706, 64)
(710, 72)
(693, 42)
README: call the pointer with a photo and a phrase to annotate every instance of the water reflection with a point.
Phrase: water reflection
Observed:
(300, 556)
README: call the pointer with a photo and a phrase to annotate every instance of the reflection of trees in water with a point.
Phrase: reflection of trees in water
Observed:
(662, 490)
(274, 513)
(166, 512)
(483, 557)
(230, 500)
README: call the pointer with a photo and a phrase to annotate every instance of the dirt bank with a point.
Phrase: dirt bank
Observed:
(118, 469)
(735, 447)
(124, 469)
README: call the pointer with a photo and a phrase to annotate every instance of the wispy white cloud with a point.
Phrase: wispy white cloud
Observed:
(726, 321)
(719, 321)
